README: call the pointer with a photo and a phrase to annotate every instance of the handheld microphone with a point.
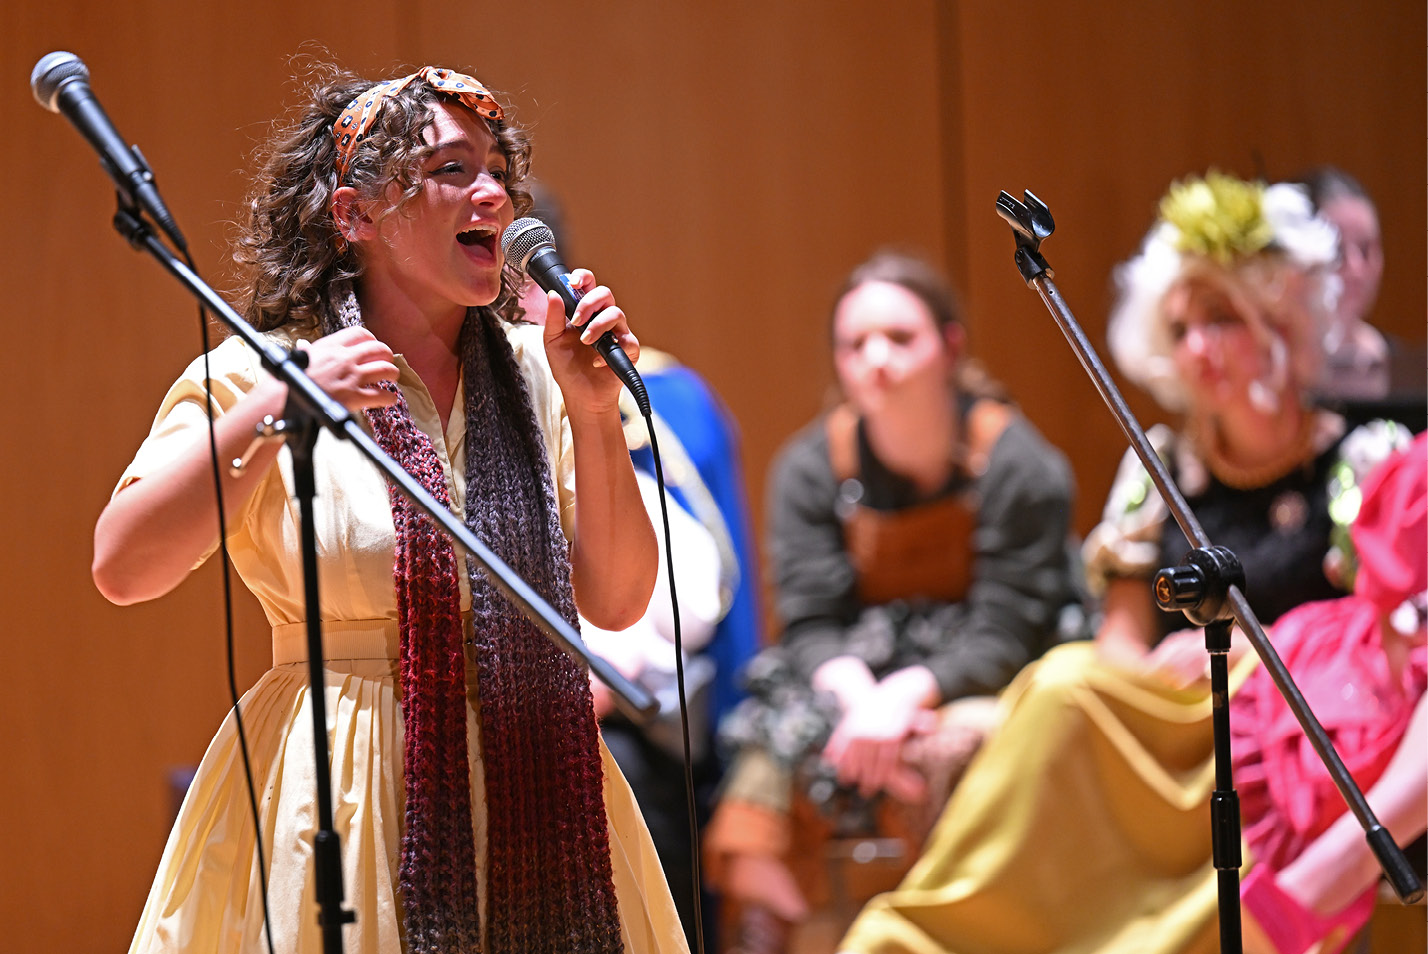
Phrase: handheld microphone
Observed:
(529, 245)
(60, 82)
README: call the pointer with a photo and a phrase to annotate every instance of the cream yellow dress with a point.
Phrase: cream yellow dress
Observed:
(205, 897)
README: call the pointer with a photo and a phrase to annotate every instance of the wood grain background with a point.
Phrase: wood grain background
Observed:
(721, 166)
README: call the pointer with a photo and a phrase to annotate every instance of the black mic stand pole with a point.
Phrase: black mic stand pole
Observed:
(308, 410)
(1208, 587)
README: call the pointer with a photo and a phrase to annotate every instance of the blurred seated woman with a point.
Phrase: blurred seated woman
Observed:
(918, 548)
(1356, 353)
(1082, 823)
(1366, 374)
(1360, 662)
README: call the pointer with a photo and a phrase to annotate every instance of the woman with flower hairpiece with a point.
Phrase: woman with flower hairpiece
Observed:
(1083, 822)
(477, 807)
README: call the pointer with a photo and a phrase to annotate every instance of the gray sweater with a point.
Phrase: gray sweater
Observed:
(1021, 573)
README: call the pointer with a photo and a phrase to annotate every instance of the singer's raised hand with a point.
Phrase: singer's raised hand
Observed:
(349, 365)
(580, 371)
(154, 530)
(614, 557)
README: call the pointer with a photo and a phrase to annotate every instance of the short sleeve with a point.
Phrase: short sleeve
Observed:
(182, 419)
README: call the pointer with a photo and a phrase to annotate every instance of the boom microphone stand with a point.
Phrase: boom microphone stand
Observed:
(1207, 587)
(308, 410)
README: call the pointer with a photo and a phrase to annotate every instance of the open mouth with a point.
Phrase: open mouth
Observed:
(481, 236)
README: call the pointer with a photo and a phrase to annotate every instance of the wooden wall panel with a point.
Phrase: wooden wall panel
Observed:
(721, 167)
(696, 153)
(1098, 107)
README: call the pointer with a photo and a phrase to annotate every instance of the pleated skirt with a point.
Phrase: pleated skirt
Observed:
(206, 897)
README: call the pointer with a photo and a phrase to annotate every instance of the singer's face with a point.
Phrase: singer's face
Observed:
(888, 350)
(442, 249)
(1216, 354)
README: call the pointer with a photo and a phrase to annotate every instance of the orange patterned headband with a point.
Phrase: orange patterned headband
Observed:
(351, 127)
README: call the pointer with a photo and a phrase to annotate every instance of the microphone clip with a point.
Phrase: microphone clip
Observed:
(1031, 222)
(130, 219)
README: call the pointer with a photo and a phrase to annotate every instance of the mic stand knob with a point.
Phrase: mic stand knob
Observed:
(1200, 586)
(268, 429)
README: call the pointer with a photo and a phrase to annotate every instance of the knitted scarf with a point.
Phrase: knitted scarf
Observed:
(550, 886)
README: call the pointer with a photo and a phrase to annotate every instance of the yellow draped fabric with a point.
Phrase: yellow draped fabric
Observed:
(1082, 826)
(205, 896)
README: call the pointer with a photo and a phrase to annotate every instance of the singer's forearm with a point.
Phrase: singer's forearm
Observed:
(614, 557)
(151, 534)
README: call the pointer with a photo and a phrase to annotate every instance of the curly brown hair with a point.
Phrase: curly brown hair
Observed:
(288, 241)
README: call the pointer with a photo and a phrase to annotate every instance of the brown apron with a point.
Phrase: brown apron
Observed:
(925, 551)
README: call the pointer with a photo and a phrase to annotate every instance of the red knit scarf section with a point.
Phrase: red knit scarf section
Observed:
(549, 881)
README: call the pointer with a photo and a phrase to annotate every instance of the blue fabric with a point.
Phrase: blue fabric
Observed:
(710, 437)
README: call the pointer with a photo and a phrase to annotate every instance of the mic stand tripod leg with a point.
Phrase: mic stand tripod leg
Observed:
(1225, 802)
(302, 431)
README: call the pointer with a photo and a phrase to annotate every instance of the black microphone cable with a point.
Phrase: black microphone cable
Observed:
(228, 618)
(691, 806)
(529, 247)
(60, 83)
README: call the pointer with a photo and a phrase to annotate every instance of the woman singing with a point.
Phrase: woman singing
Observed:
(477, 807)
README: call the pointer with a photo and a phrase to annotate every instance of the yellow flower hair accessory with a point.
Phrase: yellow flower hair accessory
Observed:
(1219, 217)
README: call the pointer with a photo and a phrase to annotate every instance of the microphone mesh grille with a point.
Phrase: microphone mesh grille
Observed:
(522, 238)
(53, 71)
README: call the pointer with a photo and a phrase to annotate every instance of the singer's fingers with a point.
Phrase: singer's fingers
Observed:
(593, 301)
(630, 344)
(353, 336)
(611, 319)
(351, 364)
(377, 397)
(359, 343)
(554, 317)
(374, 372)
(352, 333)
(583, 279)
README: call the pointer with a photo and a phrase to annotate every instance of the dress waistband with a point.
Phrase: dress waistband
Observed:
(347, 639)
(341, 639)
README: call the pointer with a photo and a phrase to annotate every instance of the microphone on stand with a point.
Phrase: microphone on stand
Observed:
(60, 82)
(529, 245)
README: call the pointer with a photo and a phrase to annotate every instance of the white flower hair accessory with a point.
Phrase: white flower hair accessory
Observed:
(1297, 231)
(1245, 231)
